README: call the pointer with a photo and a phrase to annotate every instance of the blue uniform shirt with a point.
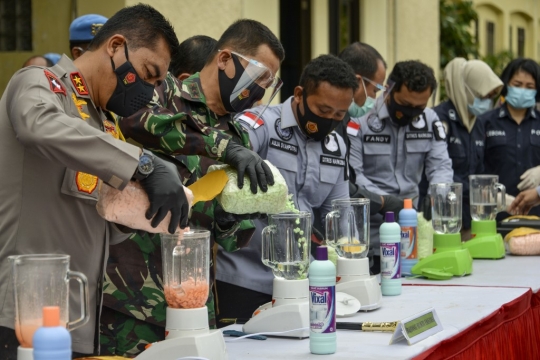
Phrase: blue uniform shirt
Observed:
(465, 149)
(511, 149)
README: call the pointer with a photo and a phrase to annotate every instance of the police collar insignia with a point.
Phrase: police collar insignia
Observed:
(501, 113)
(452, 114)
(375, 124)
(110, 128)
(79, 103)
(55, 84)
(285, 134)
(79, 84)
(330, 145)
(419, 123)
(194, 90)
(439, 131)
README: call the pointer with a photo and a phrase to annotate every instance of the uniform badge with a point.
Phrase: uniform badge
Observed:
(194, 91)
(285, 134)
(375, 124)
(439, 131)
(244, 94)
(86, 183)
(330, 145)
(446, 127)
(95, 28)
(419, 123)
(253, 120)
(55, 84)
(129, 78)
(79, 105)
(452, 114)
(311, 127)
(353, 128)
(501, 113)
(79, 84)
(110, 128)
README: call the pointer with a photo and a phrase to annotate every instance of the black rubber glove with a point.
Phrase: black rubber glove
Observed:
(392, 203)
(166, 193)
(247, 161)
(227, 220)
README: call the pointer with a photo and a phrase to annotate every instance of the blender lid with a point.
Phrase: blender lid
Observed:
(346, 305)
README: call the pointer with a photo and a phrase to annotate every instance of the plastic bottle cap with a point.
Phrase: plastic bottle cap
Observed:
(389, 216)
(407, 204)
(322, 253)
(51, 316)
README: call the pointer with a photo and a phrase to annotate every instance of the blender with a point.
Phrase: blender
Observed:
(285, 249)
(449, 257)
(186, 273)
(486, 243)
(39, 281)
(347, 231)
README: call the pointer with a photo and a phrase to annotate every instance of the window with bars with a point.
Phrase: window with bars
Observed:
(490, 31)
(15, 25)
(520, 42)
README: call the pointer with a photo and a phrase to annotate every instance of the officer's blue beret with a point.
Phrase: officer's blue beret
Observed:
(85, 27)
(54, 57)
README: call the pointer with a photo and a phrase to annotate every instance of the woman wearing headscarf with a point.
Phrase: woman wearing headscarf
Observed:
(513, 130)
(471, 86)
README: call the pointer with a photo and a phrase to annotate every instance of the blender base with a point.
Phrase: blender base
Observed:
(25, 353)
(355, 280)
(451, 262)
(288, 310)
(486, 243)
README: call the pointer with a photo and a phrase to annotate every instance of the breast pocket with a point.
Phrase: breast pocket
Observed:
(416, 154)
(331, 174)
(495, 154)
(459, 158)
(286, 162)
(377, 160)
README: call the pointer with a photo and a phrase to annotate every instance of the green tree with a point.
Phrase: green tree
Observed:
(497, 62)
(456, 38)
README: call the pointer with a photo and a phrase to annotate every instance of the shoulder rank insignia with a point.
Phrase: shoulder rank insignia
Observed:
(79, 104)
(78, 83)
(86, 183)
(194, 90)
(253, 120)
(56, 85)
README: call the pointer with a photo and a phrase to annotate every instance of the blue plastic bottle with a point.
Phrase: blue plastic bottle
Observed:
(52, 341)
(322, 304)
(390, 238)
(408, 221)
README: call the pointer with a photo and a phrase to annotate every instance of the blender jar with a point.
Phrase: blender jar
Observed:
(483, 193)
(286, 245)
(446, 199)
(347, 227)
(186, 268)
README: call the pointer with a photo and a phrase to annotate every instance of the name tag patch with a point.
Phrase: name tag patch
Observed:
(420, 135)
(283, 146)
(492, 133)
(382, 139)
(329, 160)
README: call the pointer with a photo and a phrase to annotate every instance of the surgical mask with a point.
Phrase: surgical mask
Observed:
(520, 98)
(240, 92)
(356, 111)
(402, 115)
(314, 126)
(480, 106)
(131, 93)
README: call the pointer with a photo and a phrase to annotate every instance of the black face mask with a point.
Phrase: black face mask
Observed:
(402, 115)
(314, 126)
(241, 99)
(131, 93)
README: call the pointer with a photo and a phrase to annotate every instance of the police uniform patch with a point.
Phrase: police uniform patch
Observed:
(311, 127)
(332, 161)
(353, 128)
(253, 120)
(55, 84)
(194, 91)
(452, 114)
(419, 124)
(283, 146)
(381, 139)
(244, 94)
(129, 78)
(79, 103)
(439, 131)
(330, 145)
(86, 183)
(375, 124)
(285, 134)
(78, 83)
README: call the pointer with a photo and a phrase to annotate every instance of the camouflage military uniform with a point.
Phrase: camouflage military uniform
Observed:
(133, 312)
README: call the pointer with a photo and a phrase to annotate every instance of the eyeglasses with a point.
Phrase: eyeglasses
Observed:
(377, 86)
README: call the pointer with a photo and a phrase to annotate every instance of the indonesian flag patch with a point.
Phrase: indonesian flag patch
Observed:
(353, 128)
(253, 120)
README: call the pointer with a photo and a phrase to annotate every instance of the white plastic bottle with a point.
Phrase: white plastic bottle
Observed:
(322, 304)
(408, 221)
(390, 238)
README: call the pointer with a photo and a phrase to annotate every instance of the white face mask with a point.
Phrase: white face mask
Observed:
(356, 111)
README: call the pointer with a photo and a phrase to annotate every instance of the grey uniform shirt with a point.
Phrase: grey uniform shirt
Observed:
(52, 138)
(389, 160)
(314, 172)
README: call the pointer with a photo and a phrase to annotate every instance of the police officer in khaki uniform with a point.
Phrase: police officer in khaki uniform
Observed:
(55, 144)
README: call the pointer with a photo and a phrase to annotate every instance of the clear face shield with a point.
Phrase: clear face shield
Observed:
(252, 84)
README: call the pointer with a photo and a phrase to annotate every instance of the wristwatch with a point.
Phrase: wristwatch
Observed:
(145, 167)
